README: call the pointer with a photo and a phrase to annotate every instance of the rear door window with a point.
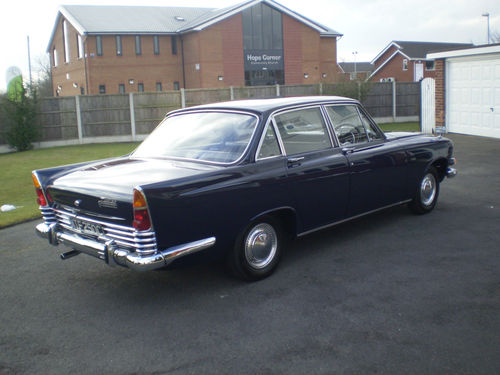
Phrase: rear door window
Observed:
(303, 130)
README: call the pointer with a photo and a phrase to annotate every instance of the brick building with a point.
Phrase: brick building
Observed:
(117, 49)
(404, 61)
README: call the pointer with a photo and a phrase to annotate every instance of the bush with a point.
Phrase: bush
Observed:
(350, 89)
(21, 128)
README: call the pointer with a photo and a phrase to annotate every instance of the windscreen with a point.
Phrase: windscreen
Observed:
(219, 137)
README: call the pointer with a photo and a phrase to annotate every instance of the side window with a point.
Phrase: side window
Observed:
(347, 124)
(269, 146)
(303, 130)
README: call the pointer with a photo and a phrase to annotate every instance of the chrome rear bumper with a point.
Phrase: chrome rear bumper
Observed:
(113, 255)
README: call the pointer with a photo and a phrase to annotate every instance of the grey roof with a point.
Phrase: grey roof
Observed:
(130, 19)
(97, 19)
(418, 50)
(348, 67)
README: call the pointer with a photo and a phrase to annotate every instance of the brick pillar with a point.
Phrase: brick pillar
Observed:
(439, 66)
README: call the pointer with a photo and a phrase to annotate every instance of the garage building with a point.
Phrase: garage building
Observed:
(468, 90)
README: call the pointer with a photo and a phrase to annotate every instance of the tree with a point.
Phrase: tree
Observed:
(495, 37)
(43, 83)
(21, 112)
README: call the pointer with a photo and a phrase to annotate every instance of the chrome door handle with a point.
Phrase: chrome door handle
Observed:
(293, 162)
(348, 150)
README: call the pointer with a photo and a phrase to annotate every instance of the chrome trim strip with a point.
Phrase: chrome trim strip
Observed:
(142, 242)
(352, 218)
(95, 221)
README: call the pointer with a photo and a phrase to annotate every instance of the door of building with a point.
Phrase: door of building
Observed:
(473, 95)
(419, 72)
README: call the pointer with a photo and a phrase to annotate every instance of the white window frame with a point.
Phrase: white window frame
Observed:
(66, 42)
(79, 42)
(55, 57)
(405, 64)
(433, 65)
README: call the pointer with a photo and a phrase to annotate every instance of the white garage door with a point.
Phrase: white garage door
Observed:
(473, 100)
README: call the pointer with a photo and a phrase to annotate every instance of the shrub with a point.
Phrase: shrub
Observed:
(21, 128)
(350, 89)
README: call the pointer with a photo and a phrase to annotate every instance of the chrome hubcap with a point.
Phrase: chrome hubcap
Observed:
(428, 189)
(261, 245)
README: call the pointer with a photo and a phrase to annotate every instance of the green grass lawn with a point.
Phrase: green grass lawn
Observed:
(400, 127)
(16, 185)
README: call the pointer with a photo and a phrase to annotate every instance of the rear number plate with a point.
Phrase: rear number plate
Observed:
(86, 227)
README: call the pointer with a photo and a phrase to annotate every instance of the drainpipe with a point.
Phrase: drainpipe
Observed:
(85, 66)
(183, 69)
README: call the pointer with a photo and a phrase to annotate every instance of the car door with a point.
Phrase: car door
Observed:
(377, 166)
(317, 172)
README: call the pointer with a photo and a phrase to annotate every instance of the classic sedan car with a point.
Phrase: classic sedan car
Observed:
(238, 179)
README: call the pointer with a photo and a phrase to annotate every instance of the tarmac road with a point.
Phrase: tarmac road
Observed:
(391, 293)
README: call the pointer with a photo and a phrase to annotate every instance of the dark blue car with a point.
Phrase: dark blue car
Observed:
(238, 179)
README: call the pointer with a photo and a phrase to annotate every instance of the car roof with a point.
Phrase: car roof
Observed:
(262, 106)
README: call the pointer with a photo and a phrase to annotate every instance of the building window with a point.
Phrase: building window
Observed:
(121, 88)
(119, 51)
(65, 41)
(263, 45)
(140, 87)
(98, 42)
(79, 43)
(82, 91)
(138, 48)
(156, 44)
(55, 62)
(176, 85)
(158, 86)
(102, 89)
(429, 65)
(173, 39)
(405, 64)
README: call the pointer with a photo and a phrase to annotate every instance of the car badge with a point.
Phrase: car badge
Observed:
(107, 203)
(78, 202)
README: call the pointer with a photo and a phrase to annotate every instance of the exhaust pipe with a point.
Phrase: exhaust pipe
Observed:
(69, 254)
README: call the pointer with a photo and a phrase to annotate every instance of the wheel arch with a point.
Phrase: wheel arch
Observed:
(286, 216)
(440, 165)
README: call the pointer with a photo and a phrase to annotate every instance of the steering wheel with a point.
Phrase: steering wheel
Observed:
(347, 134)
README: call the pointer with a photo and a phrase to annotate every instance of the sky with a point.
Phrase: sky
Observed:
(368, 26)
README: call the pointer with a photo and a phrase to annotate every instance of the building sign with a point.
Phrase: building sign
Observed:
(263, 59)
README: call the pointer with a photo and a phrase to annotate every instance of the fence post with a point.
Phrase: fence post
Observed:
(394, 101)
(359, 90)
(231, 91)
(183, 98)
(132, 115)
(79, 119)
(277, 90)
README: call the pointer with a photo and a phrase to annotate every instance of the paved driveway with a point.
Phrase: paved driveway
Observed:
(389, 293)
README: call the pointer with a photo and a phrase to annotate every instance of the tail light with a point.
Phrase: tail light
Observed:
(41, 199)
(142, 219)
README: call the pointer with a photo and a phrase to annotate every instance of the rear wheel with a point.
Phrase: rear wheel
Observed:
(426, 196)
(257, 251)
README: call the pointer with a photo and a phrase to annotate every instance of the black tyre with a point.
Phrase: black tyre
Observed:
(427, 193)
(257, 250)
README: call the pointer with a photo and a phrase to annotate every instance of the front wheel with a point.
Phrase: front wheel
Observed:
(426, 196)
(257, 251)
